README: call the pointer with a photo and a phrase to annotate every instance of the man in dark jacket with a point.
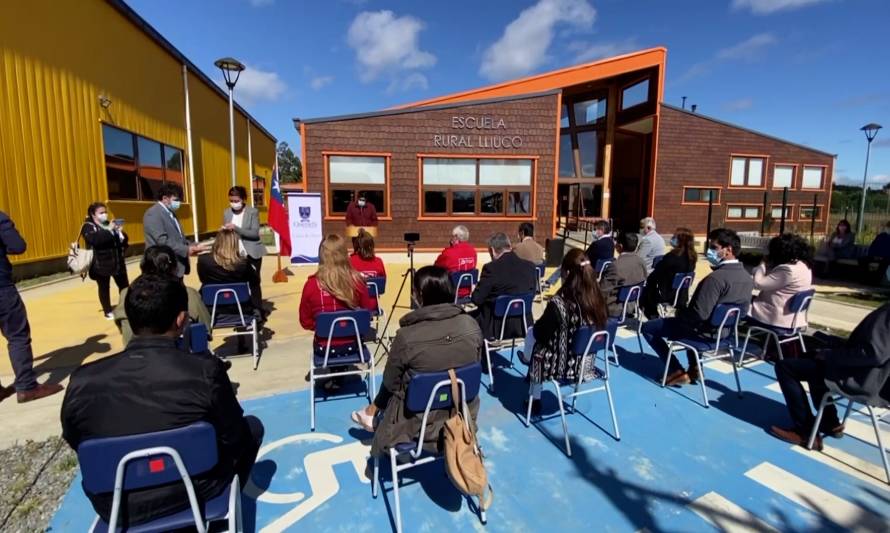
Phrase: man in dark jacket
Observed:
(602, 247)
(859, 367)
(153, 386)
(627, 269)
(361, 213)
(14, 322)
(729, 283)
(505, 274)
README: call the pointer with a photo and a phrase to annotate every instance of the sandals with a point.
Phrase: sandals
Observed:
(363, 420)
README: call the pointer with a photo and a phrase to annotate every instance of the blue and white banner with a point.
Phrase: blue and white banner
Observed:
(304, 219)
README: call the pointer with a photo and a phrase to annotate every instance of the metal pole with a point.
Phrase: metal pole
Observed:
(193, 198)
(250, 164)
(864, 190)
(784, 206)
(813, 218)
(710, 210)
(763, 214)
(232, 132)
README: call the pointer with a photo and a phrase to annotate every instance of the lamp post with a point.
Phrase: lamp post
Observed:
(870, 131)
(231, 69)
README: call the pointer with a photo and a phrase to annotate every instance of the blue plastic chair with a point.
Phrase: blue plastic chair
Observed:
(601, 266)
(117, 465)
(506, 306)
(586, 344)
(540, 270)
(657, 259)
(631, 314)
(427, 392)
(681, 281)
(222, 299)
(464, 279)
(194, 339)
(704, 349)
(341, 325)
(377, 288)
(799, 304)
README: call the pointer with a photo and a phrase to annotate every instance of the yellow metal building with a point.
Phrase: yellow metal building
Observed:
(93, 108)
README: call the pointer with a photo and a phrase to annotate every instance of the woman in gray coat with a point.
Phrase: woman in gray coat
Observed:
(245, 221)
(437, 336)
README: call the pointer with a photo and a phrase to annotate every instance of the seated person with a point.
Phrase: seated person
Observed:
(659, 287)
(602, 247)
(527, 248)
(335, 286)
(578, 302)
(858, 366)
(878, 252)
(784, 272)
(421, 344)
(151, 386)
(840, 245)
(651, 243)
(161, 261)
(363, 259)
(459, 256)
(627, 269)
(225, 264)
(729, 283)
(506, 274)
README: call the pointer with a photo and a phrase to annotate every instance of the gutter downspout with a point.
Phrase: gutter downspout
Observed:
(188, 136)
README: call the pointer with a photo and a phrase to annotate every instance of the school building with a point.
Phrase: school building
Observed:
(95, 105)
(585, 142)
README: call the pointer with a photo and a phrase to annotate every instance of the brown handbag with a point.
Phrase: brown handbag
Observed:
(463, 459)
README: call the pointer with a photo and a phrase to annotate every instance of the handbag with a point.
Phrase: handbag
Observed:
(463, 459)
(79, 259)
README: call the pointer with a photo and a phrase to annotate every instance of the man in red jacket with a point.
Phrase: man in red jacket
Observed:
(459, 256)
(361, 213)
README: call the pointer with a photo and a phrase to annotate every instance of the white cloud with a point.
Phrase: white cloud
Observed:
(879, 179)
(319, 82)
(585, 51)
(738, 105)
(768, 7)
(412, 81)
(385, 44)
(523, 46)
(749, 50)
(257, 85)
(261, 3)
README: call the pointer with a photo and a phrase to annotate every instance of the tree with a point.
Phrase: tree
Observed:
(290, 168)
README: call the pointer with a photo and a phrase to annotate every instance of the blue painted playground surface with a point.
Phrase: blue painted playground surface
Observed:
(678, 466)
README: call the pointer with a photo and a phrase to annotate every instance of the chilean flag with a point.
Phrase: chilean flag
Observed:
(278, 215)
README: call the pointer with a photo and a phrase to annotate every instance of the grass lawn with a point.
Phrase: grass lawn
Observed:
(874, 298)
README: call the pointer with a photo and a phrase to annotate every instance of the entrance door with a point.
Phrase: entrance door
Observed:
(630, 179)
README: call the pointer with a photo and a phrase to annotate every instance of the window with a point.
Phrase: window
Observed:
(783, 176)
(350, 175)
(700, 195)
(566, 156)
(136, 166)
(746, 172)
(636, 94)
(810, 212)
(470, 186)
(776, 212)
(259, 191)
(742, 212)
(582, 140)
(812, 177)
(564, 117)
(590, 111)
(590, 144)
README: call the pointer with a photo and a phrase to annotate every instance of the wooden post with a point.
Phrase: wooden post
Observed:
(710, 210)
(813, 220)
(784, 205)
(763, 214)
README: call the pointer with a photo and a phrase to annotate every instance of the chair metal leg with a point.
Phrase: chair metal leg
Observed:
(778, 343)
(847, 412)
(528, 412)
(826, 399)
(373, 375)
(395, 487)
(490, 368)
(512, 350)
(256, 346)
(803, 346)
(612, 409)
(562, 414)
(375, 483)
(735, 371)
(667, 364)
(701, 375)
(311, 398)
(881, 449)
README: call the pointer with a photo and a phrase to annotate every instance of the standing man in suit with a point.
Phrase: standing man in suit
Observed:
(162, 228)
(602, 247)
(14, 322)
(507, 273)
(651, 243)
(245, 221)
(527, 248)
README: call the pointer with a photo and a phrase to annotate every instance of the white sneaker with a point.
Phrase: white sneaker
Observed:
(109, 316)
(363, 420)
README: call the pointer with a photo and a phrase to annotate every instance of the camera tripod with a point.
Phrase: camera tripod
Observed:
(408, 275)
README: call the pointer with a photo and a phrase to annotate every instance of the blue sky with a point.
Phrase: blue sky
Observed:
(810, 71)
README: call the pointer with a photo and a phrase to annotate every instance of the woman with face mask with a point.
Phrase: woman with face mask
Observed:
(108, 241)
(659, 285)
(245, 222)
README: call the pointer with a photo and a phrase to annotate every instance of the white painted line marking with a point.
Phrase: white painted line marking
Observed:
(818, 500)
(864, 431)
(727, 516)
(848, 463)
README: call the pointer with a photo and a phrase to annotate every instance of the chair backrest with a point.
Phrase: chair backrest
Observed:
(799, 304)
(726, 316)
(681, 281)
(540, 269)
(430, 391)
(196, 338)
(343, 324)
(464, 278)
(99, 458)
(588, 340)
(601, 265)
(629, 293)
(507, 305)
(225, 294)
(376, 286)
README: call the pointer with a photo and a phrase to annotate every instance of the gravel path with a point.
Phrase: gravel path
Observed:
(34, 477)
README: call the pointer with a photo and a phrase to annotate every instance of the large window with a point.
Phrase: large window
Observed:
(776, 212)
(701, 195)
(634, 95)
(812, 177)
(783, 176)
(582, 137)
(746, 172)
(259, 191)
(136, 166)
(469, 186)
(742, 212)
(350, 175)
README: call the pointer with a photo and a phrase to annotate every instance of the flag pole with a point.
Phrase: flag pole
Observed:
(280, 275)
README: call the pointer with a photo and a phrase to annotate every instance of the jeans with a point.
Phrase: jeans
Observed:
(659, 331)
(256, 290)
(104, 283)
(790, 373)
(14, 326)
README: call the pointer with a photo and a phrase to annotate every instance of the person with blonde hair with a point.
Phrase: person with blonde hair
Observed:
(335, 286)
(225, 264)
(364, 260)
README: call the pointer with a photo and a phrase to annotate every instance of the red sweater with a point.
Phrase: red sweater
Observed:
(458, 257)
(361, 216)
(316, 300)
(369, 269)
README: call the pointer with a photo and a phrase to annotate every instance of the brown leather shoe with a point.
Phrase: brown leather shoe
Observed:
(40, 391)
(834, 431)
(694, 374)
(677, 378)
(6, 392)
(789, 435)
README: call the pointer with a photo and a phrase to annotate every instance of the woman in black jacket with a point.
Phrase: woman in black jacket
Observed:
(108, 242)
(225, 264)
(659, 285)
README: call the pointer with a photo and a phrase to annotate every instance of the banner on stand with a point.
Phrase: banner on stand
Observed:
(304, 214)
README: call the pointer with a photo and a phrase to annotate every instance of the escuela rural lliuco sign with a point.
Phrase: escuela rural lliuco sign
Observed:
(477, 132)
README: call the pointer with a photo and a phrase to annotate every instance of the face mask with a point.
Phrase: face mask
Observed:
(713, 258)
(361, 203)
(175, 204)
(453, 241)
(103, 217)
(236, 206)
(674, 242)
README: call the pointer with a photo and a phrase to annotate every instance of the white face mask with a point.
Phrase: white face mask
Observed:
(236, 205)
(361, 203)
(102, 217)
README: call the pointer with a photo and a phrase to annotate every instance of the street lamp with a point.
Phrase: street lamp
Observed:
(870, 131)
(231, 69)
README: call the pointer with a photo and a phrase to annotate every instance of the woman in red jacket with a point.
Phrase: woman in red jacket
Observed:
(363, 259)
(336, 286)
